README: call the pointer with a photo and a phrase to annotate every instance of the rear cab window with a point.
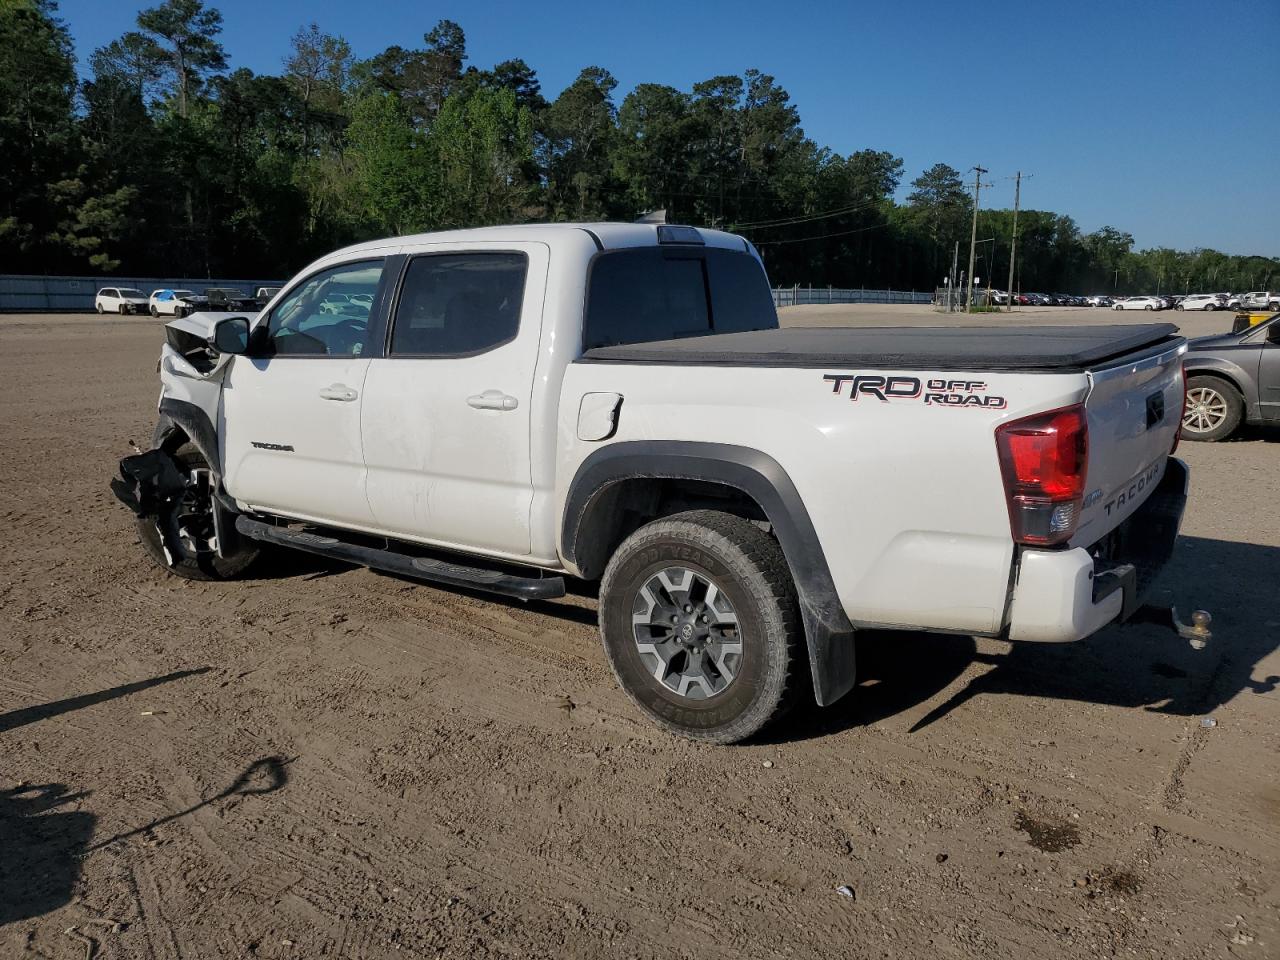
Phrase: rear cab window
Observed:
(643, 294)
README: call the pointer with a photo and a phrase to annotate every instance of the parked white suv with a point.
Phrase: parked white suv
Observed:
(120, 300)
(1201, 301)
(173, 303)
(616, 403)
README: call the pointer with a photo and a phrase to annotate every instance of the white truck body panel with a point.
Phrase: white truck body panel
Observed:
(907, 499)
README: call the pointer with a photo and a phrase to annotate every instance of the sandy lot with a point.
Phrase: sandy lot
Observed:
(325, 762)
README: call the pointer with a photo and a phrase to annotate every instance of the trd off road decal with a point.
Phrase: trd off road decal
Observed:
(936, 392)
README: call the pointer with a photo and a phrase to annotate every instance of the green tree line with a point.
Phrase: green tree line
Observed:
(163, 161)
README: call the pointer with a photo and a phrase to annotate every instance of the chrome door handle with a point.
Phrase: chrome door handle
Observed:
(493, 400)
(338, 391)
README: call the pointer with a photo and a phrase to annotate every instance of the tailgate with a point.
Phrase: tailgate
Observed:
(1134, 409)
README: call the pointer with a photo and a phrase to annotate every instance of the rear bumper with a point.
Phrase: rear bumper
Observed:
(1065, 595)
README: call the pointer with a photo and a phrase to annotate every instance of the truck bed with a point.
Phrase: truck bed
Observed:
(1031, 348)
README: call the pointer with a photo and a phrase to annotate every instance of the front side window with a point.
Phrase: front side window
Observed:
(320, 318)
(460, 304)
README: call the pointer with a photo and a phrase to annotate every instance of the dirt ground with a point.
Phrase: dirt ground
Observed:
(325, 762)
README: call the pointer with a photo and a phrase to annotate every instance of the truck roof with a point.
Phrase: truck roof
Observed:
(606, 236)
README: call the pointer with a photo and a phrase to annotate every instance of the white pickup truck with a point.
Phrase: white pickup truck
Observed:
(499, 409)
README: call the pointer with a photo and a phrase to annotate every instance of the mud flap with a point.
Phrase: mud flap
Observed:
(147, 482)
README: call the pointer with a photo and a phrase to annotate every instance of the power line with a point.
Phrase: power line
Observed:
(821, 236)
(787, 221)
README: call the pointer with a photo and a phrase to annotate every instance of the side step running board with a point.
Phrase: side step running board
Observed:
(418, 568)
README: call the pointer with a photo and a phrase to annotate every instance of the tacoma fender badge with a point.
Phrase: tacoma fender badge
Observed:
(284, 447)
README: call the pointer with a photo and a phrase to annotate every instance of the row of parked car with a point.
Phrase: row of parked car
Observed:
(1253, 300)
(179, 303)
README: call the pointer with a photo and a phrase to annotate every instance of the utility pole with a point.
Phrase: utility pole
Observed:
(973, 236)
(1013, 246)
(955, 265)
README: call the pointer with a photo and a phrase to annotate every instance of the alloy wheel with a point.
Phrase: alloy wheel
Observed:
(1206, 410)
(686, 633)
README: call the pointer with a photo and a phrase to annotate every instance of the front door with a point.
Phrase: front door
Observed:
(446, 411)
(290, 427)
(1269, 380)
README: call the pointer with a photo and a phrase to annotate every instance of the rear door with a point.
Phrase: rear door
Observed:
(445, 421)
(290, 426)
(1134, 409)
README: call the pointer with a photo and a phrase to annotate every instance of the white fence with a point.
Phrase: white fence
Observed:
(29, 293)
(797, 295)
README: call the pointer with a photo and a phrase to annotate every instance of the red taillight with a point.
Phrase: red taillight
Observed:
(1043, 460)
(1182, 413)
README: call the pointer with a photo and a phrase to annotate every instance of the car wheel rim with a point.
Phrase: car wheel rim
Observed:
(193, 514)
(686, 633)
(1206, 410)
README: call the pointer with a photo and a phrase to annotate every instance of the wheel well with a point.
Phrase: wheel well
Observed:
(626, 505)
(1210, 372)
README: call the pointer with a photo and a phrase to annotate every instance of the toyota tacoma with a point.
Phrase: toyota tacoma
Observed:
(503, 409)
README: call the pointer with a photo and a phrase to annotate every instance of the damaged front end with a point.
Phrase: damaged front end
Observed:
(175, 488)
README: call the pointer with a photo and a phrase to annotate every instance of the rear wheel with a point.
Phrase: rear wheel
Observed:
(1214, 409)
(701, 625)
(185, 528)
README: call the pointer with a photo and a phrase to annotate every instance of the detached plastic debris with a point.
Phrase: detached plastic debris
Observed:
(1208, 722)
(846, 891)
(146, 480)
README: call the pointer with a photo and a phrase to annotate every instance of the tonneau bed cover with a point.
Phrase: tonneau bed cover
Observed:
(1032, 348)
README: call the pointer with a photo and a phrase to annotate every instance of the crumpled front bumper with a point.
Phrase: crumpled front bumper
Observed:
(1065, 595)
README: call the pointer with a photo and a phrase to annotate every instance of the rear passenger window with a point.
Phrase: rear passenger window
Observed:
(644, 294)
(454, 305)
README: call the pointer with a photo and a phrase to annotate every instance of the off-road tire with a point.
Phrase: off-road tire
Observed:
(200, 565)
(1234, 412)
(748, 567)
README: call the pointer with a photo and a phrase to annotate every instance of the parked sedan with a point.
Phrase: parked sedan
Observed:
(1200, 301)
(175, 303)
(1139, 303)
(1233, 378)
(120, 300)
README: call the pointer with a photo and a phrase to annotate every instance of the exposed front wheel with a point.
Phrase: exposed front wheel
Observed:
(154, 311)
(701, 625)
(1148, 307)
(181, 537)
(1214, 409)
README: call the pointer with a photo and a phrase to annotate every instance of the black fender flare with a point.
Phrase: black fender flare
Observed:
(178, 415)
(828, 632)
(195, 423)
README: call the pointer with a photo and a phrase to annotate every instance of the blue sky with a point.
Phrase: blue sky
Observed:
(1159, 118)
